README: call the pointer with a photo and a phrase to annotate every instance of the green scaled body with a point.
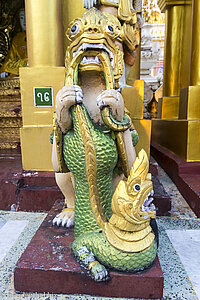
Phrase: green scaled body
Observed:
(111, 257)
(90, 243)
(106, 160)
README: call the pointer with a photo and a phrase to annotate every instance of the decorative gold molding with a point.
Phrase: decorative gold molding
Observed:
(10, 82)
(10, 122)
(164, 3)
(9, 145)
(10, 110)
(10, 133)
(10, 113)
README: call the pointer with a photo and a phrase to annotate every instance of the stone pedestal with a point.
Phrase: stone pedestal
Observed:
(47, 265)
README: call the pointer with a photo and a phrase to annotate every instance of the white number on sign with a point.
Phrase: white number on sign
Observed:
(46, 96)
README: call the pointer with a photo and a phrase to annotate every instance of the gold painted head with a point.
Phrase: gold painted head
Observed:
(133, 198)
(91, 35)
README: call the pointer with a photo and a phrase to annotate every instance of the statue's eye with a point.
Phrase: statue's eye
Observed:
(137, 188)
(74, 29)
(109, 29)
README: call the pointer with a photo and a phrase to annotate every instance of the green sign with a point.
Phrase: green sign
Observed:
(43, 96)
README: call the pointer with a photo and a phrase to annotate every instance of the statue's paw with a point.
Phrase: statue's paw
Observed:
(99, 272)
(69, 95)
(114, 100)
(64, 219)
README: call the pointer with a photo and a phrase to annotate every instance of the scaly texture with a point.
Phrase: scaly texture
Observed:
(106, 160)
(111, 257)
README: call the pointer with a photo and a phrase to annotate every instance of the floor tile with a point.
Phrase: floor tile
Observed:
(9, 234)
(2, 223)
(187, 245)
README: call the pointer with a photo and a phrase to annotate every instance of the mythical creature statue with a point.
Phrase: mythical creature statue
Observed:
(122, 41)
(93, 140)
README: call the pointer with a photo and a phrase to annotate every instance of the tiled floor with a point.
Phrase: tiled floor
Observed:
(9, 234)
(187, 246)
(179, 250)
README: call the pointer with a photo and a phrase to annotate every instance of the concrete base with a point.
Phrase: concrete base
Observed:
(47, 265)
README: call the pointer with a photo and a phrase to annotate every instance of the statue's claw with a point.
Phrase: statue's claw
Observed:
(57, 221)
(64, 219)
(100, 102)
(99, 272)
(67, 223)
(64, 222)
(78, 95)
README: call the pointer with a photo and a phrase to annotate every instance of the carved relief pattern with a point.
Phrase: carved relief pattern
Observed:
(10, 113)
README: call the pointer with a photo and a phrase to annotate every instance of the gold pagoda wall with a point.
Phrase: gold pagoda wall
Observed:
(178, 128)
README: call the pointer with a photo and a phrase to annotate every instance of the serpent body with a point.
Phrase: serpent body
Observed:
(106, 160)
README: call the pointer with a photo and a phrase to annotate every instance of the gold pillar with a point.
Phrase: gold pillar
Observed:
(44, 32)
(195, 51)
(46, 70)
(182, 136)
(177, 45)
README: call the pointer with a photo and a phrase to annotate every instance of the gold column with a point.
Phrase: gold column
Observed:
(177, 45)
(190, 105)
(177, 54)
(195, 52)
(182, 136)
(46, 70)
(44, 32)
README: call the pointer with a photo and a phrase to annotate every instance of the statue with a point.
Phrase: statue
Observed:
(17, 55)
(130, 37)
(93, 139)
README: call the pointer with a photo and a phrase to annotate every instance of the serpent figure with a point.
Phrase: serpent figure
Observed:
(126, 242)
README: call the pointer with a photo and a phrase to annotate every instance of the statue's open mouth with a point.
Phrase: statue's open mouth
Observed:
(94, 59)
(147, 204)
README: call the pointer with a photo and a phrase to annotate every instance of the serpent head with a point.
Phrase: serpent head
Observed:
(133, 198)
